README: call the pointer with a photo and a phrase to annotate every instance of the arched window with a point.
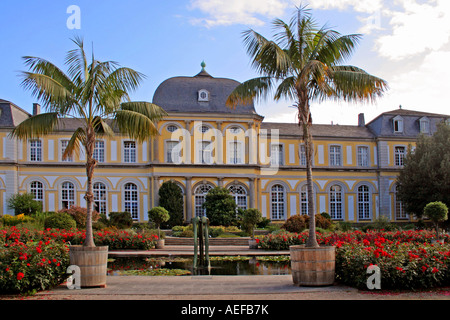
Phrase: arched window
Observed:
(400, 212)
(363, 202)
(240, 196)
(277, 202)
(99, 197)
(131, 204)
(304, 200)
(200, 193)
(67, 195)
(37, 189)
(336, 202)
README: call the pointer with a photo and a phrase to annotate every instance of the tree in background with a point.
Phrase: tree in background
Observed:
(171, 198)
(425, 176)
(220, 207)
(24, 203)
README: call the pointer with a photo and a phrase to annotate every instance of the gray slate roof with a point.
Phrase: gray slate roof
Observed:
(320, 130)
(180, 94)
(11, 115)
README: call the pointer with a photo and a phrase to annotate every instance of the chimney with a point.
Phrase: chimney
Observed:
(36, 109)
(361, 121)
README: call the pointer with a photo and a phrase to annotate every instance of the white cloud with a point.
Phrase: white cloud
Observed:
(228, 12)
(361, 6)
(415, 28)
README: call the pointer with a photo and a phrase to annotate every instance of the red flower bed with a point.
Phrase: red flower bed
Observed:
(38, 260)
(407, 259)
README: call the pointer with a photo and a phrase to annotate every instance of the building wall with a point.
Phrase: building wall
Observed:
(365, 191)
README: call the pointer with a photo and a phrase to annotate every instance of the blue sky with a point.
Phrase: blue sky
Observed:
(163, 39)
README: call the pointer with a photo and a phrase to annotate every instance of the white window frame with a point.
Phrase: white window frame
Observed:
(304, 199)
(336, 204)
(397, 124)
(424, 124)
(302, 155)
(399, 207)
(199, 198)
(205, 152)
(62, 147)
(277, 154)
(363, 202)
(129, 153)
(35, 150)
(335, 155)
(399, 157)
(100, 197)
(68, 192)
(203, 95)
(173, 154)
(37, 189)
(99, 152)
(278, 202)
(363, 159)
(236, 152)
(131, 199)
(239, 194)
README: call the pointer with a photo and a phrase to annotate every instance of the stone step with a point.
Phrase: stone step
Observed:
(179, 241)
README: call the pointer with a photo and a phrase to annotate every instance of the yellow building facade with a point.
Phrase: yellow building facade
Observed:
(203, 144)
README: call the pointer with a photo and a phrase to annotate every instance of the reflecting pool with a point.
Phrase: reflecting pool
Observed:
(229, 265)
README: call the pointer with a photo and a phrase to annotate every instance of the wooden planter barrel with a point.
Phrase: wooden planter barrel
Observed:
(313, 266)
(93, 264)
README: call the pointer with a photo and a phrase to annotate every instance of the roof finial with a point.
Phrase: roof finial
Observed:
(400, 106)
(203, 65)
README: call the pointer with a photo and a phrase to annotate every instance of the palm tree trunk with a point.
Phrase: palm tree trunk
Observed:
(305, 121)
(89, 197)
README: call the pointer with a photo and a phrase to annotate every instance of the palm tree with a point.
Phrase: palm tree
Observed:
(304, 62)
(97, 94)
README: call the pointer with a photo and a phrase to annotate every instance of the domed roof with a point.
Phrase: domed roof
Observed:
(199, 94)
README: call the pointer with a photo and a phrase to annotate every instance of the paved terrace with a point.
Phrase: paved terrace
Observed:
(258, 287)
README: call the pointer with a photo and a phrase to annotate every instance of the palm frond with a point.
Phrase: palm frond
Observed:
(101, 127)
(76, 142)
(139, 119)
(246, 92)
(286, 89)
(354, 84)
(336, 48)
(36, 126)
(77, 63)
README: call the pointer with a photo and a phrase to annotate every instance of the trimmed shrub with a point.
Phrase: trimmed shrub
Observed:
(158, 215)
(60, 220)
(120, 220)
(220, 207)
(171, 199)
(298, 223)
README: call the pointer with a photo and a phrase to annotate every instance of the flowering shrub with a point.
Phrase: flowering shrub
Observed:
(32, 266)
(116, 240)
(33, 260)
(407, 259)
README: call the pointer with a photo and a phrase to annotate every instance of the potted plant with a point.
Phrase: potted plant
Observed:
(159, 215)
(250, 218)
(91, 92)
(304, 63)
(436, 212)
